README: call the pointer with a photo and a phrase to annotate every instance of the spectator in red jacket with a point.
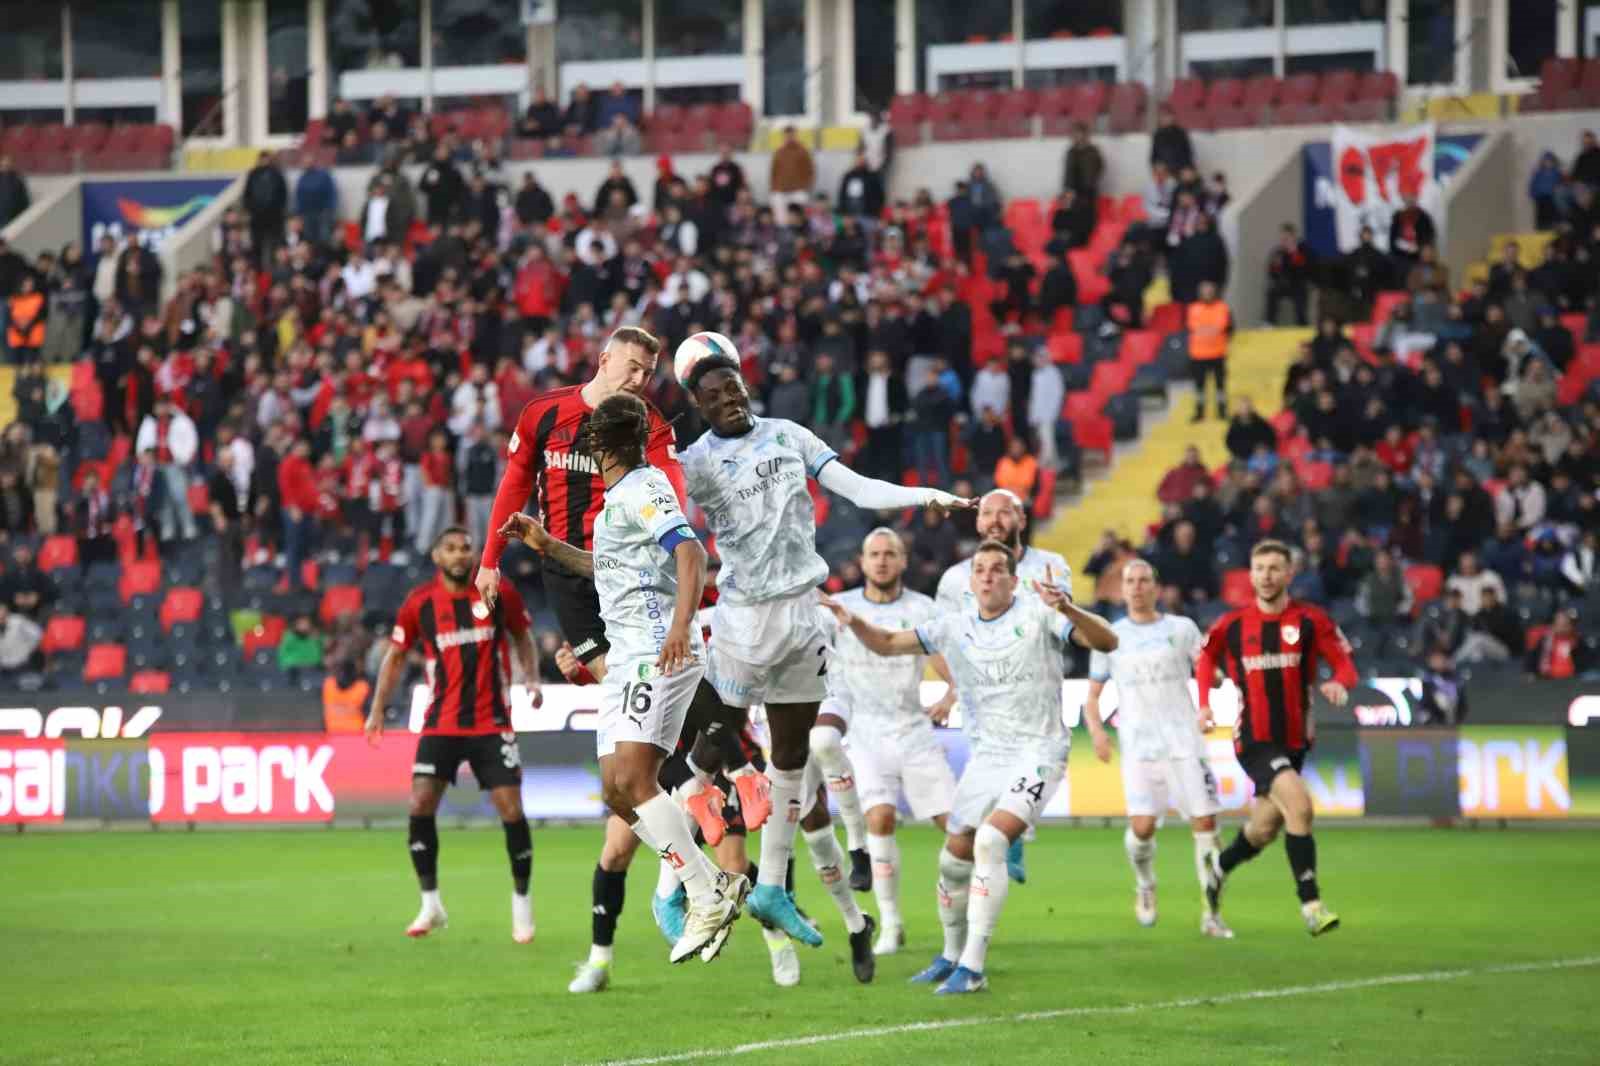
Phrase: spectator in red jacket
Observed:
(1178, 484)
(298, 497)
(438, 491)
(538, 290)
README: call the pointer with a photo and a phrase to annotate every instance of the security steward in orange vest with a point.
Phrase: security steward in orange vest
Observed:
(25, 322)
(1210, 325)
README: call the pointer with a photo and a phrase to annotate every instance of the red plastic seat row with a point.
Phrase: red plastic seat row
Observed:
(1565, 85)
(1231, 103)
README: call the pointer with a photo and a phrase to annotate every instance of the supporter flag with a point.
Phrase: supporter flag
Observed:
(1375, 169)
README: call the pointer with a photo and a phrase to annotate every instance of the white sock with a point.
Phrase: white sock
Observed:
(955, 879)
(599, 956)
(1205, 842)
(430, 901)
(665, 828)
(1142, 856)
(825, 856)
(667, 881)
(990, 885)
(777, 836)
(885, 852)
(827, 747)
(775, 938)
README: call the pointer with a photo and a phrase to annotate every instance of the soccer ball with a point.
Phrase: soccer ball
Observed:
(696, 348)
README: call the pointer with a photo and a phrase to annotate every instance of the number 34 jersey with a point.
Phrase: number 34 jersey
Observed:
(1008, 674)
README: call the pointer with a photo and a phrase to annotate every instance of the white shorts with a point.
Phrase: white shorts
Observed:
(1187, 784)
(913, 763)
(1019, 784)
(639, 706)
(772, 652)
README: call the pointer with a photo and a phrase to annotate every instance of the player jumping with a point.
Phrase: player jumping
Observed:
(1006, 655)
(1002, 516)
(467, 645)
(891, 741)
(1163, 750)
(1271, 650)
(648, 570)
(769, 646)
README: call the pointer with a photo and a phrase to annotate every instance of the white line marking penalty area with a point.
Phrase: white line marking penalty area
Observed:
(1424, 977)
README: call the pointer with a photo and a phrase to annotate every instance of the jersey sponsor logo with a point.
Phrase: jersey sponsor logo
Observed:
(769, 467)
(583, 464)
(457, 637)
(1278, 661)
(1291, 634)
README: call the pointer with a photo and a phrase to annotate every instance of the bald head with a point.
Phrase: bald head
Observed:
(1002, 516)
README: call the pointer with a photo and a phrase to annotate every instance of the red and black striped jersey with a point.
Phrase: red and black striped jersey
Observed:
(468, 651)
(545, 460)
(1273, 660)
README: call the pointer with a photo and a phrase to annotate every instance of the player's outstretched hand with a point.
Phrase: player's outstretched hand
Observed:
(944, 503)
(374, 726)
(527, 529)
(840, 611)
(568, 663)
(939, 713)
(674, 651)
(1102, 745)
(1335, 693)
(488, 582)
(1054, 596)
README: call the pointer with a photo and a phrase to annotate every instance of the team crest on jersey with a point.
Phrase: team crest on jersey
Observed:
(645, 671)
(648, 511)
(514, 444)
(1291, 634)
(782, 440)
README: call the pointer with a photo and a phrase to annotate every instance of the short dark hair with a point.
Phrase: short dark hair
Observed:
(706, 366)
(1272, 547)
(447, 531)
(992, 545)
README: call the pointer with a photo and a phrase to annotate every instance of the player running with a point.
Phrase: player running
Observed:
(467, 644)
(1002, 516)
(749, 476)
(891, 741)
(1271, 650)
(648, 570)
(1005, 652)
(1163, 750)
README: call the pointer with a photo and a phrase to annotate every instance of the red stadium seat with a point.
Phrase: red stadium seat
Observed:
(64, 632)
(106, 662)
(265, 635)
(57, 552)
(1129, 102)
(1044, 499)
(340, 600)
(183, 604)
(1065, 347)
(1187, 93)
(1384, 303)
(1168, 318)
(1426, 581)
(142, 577)
(150, 682)
(1236, 588)
(1094, 433)
(1140, 347)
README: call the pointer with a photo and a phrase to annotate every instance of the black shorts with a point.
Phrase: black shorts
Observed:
(577, 608)
(1262, 762)
(494, 759)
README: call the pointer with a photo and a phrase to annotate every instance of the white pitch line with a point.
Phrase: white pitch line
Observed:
(1102, 1011)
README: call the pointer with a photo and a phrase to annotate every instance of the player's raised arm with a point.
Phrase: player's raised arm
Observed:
(1088, 629)
(875, 495)
(516, 485)
(531, 532)
(878, 641)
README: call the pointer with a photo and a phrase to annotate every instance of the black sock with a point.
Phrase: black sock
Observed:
(1303, 864)
(1239, 851)
(423, 839)
(519, 846)
(753, 872)
(788, 879)
(609, 887)
(674, 773)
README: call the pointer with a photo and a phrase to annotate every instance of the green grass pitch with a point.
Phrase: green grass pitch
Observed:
(287, 948)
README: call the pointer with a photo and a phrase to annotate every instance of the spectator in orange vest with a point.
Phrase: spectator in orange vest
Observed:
(1017, 471)
(1210, 325)
(25, 322)
(344, 700)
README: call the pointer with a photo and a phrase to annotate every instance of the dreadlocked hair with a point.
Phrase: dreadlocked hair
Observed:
(706, 366)
(619, 427)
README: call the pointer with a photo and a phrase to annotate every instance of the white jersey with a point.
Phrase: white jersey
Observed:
(955, 587)
(635, 575)
(753, 491)
(883, 693)
(1156, 716)
(1008, 673)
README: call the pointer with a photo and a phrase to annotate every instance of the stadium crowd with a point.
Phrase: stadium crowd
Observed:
(314, 405)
